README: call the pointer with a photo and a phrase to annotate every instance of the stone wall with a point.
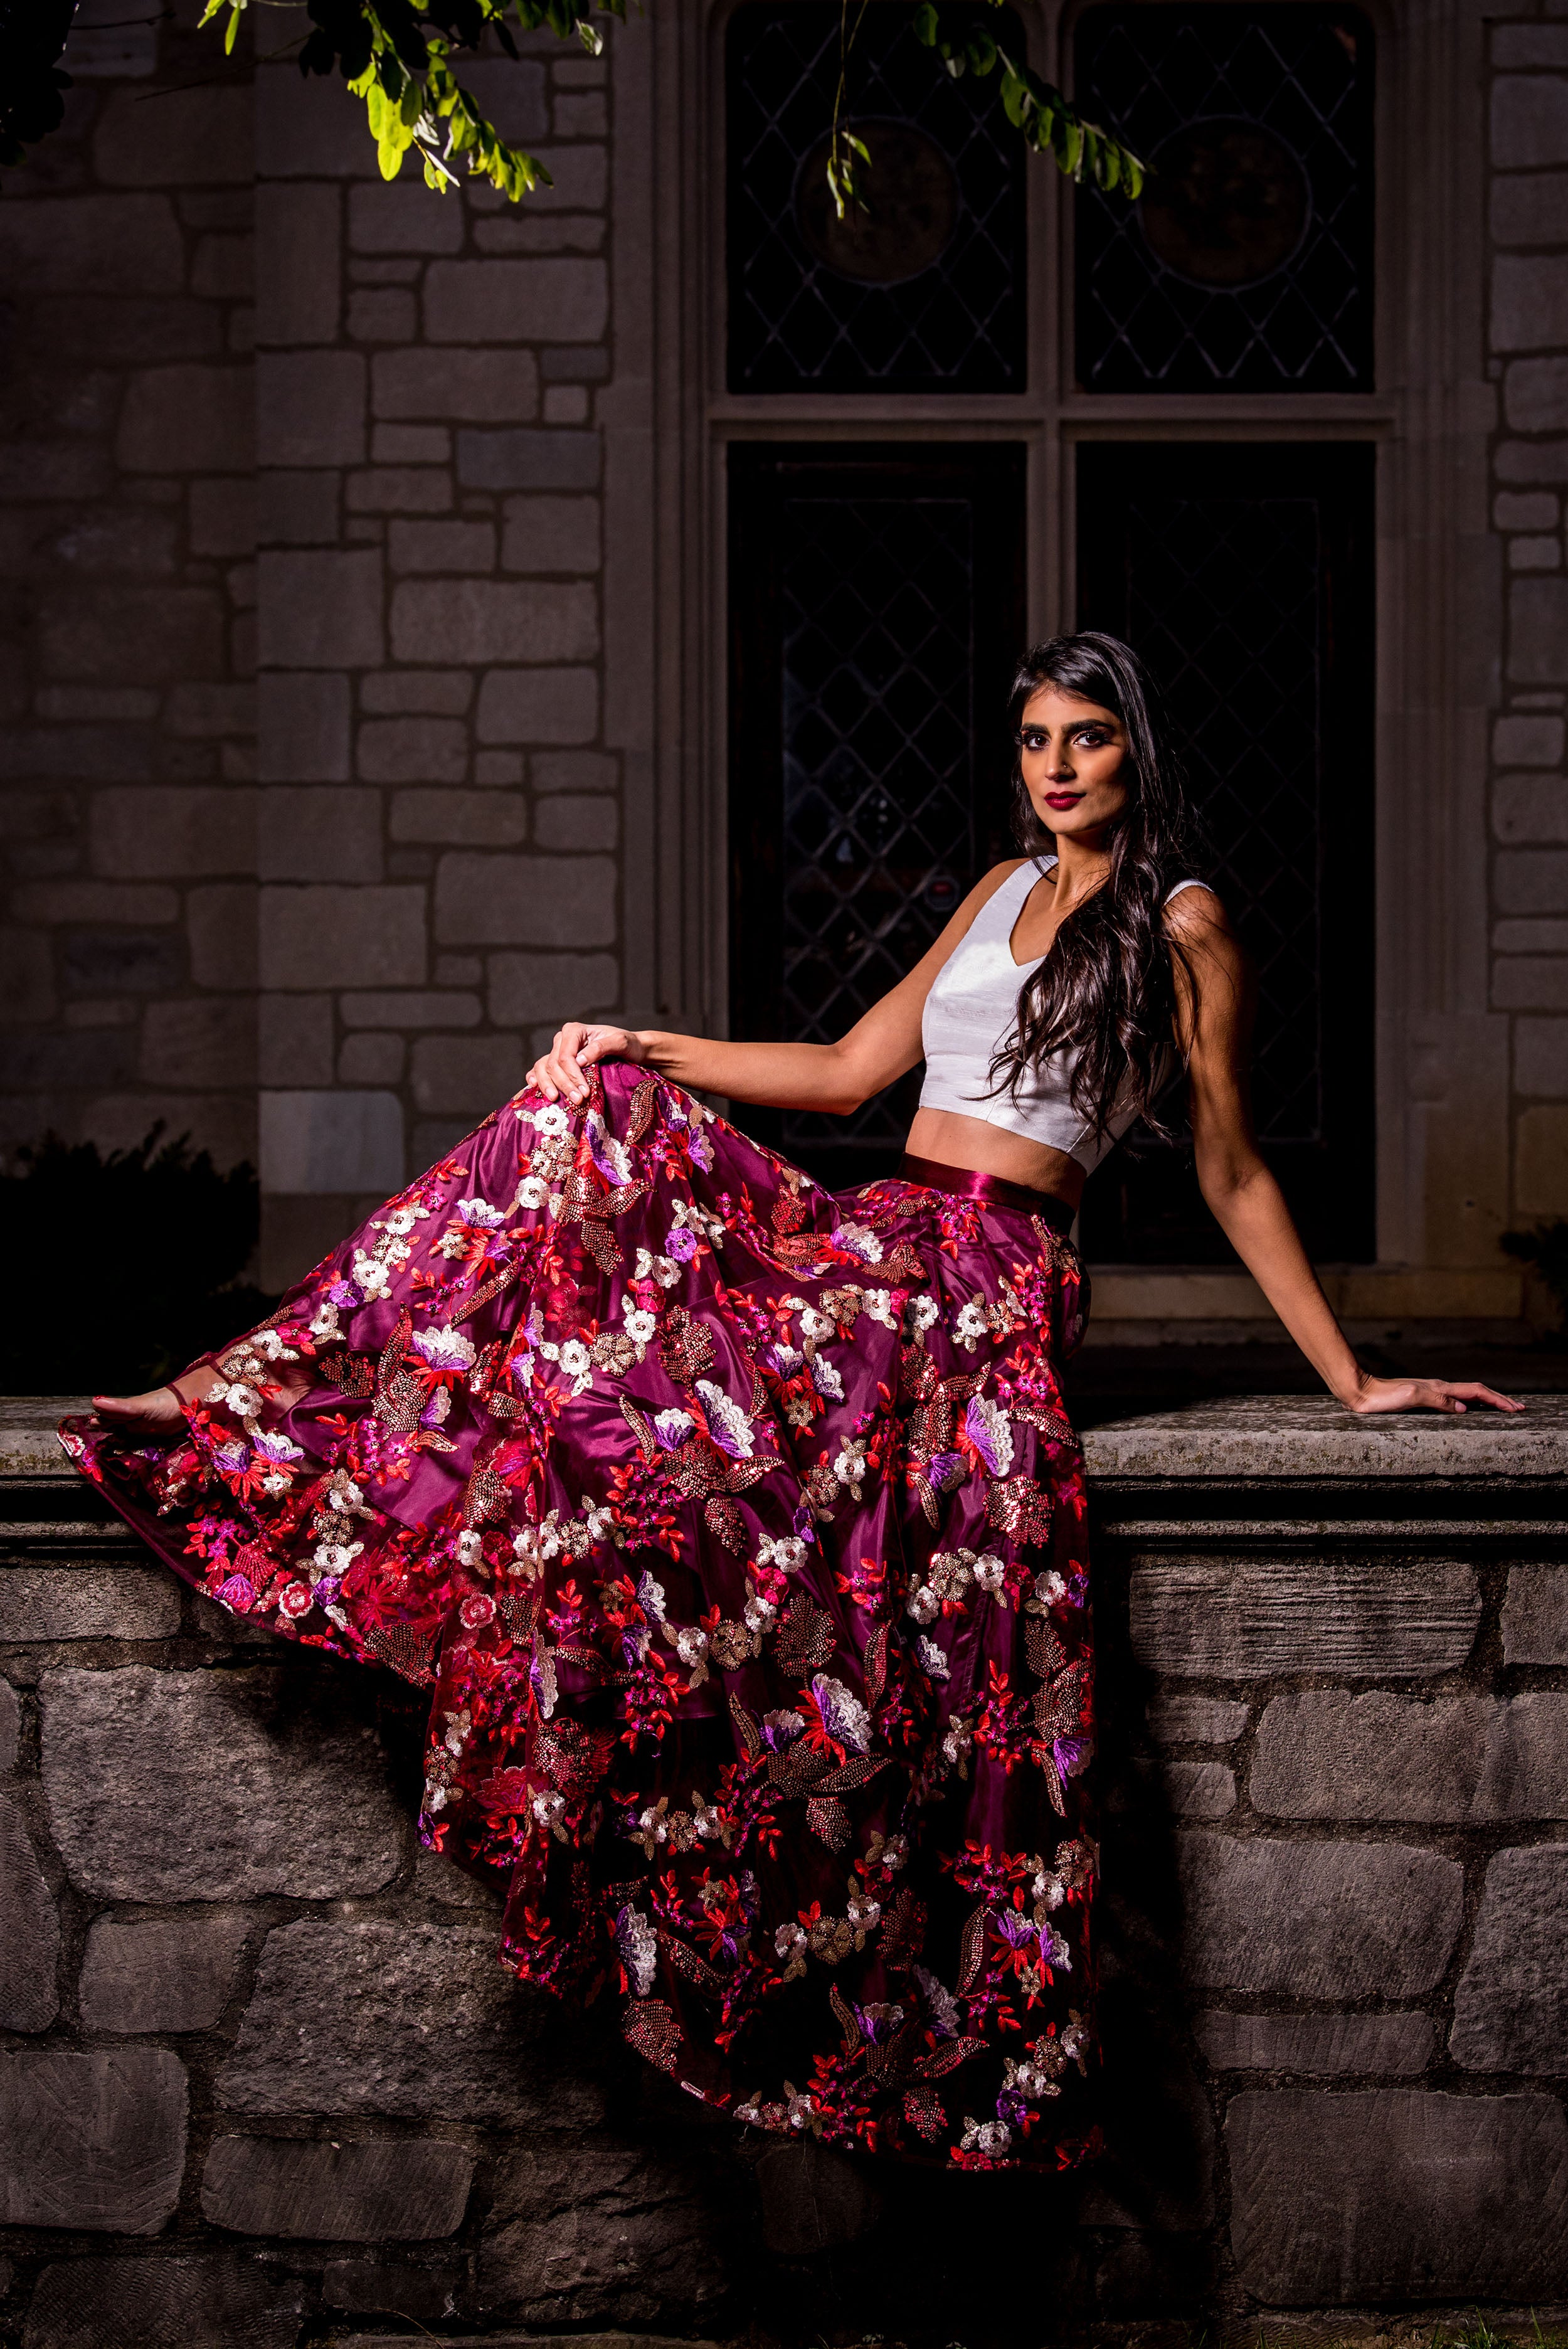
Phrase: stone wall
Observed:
(264, 2082)
(1529, 345)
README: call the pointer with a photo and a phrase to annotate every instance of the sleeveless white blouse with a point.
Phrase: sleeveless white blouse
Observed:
(973, 1008)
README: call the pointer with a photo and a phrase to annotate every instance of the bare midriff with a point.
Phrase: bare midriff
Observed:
(970, 1142)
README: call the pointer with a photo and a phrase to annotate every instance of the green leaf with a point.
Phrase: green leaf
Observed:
(925, 22)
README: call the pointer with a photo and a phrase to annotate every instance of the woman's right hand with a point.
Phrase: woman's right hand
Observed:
(559, 1073)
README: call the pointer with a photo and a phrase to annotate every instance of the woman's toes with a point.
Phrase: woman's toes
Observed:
(160, 1408)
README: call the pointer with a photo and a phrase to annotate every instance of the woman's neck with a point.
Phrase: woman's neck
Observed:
(1082, 867)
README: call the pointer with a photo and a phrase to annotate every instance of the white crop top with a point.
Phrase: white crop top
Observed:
(973, 1007)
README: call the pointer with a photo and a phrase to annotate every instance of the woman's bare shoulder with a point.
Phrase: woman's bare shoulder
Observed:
(1194, 912)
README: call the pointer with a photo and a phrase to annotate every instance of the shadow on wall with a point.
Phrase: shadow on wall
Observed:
(120, 1270)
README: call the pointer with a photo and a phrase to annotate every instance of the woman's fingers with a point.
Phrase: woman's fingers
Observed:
(562, 1071)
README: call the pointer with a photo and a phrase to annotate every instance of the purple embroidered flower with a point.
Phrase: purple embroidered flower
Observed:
(342, 1294)
(844, 1717)
(444, 1350)
(990, 1432)
(276, 1447)
(672, 1427)
(1054, 1950)
(879, 2022)
(479, 1214)
(1015, 1929)
(780, 1729)
(325, 1590)
(727, 1422)
(236, 1594)
(786, 1360)
(232, 1456)
(701, 1150)
(945, 1471)
(639, 1950)
(681, 1245)
(1071, 1755)
(608, 1154)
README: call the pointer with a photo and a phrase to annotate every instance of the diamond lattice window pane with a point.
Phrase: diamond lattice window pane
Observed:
(1248, 265)
(923, 292)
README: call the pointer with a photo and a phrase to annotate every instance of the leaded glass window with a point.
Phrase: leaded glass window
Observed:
(1247, 266)
(924, 291)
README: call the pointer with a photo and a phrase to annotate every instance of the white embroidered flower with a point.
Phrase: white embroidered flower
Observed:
(843, 1716)
(959, 1742)
(787, 1554)
(990, 2137)
(990, 1573)
(860, 1241)
(862, 1911)
(642, 1326)
(851, 1465)
(932, 1660)
(1050, 1588)
(575, 1359)
(651, 1599)
(727, 1422)
(759, 1613)
(335, 1558)
(550, 1809)
(444, 1349)
(672, 1427)
(923, 1603)
(270, 1345)
(826, 1379)
(708, 1821)
(471, 1549)
(533, 1191)
(401, 1221)
(552, 1119)
(653, 1822)
(691, 1645)
(816, 1325)
(372, 1279)
(919, 1313)
(344, 1495)
(480, 1214)
(878, 1304)
(242, 1400)
(970, 1324)
(788, 1940)
(639, 1950)
(324, 1322)
(275, 1447)
(666, 1272)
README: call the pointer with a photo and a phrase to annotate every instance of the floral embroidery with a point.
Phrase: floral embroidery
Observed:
(738, 1533)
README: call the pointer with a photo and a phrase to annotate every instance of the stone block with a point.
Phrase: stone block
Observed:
(511, 95)
(1531, 983)
(132, 635)
(30, 1945)
(382, 313)
(295, 1039)
(532, 901)
(413, 751)
(434, 693)
(538, 706)
(209, 1042)
(89, 1060)
(380, 2287)
(188, 420)
(1531, 460)
(1540, 1066)
(1320, 2044)
(1397, 2195)
(220, 926)
(1538, 630)
(1540, 1161)
(494, 301)
(319, 832)
(461, 819)
(415, 1009)
(301, 1805)
(140, 541)
(576, 770)
(196, 711)
(160, 1973)
(1333, 1754)
(225, 268)
(1531, 209)
(1530, 807)
(441, 547)
(1192, 1720)
(546, 533)
(1528, 882)
(204, 138)
(1510, 2008)
(542, 458)
(1528, 45)
(157, 830)
(91, 2141)
(1329, 1920)
(1529, 122)
(371, 1059)
(1189, 1790)
(599, 2232)
(579, 363)
(202, 2301)
(378, 2191)
(400, 218)
(367, 2015)
(411, 444)
(330, 936)
(493, 620)
(472, 387)
(10, 1728)
(126, 330)
(567, 822)
(93, 245)
(1529, 303)
(1535, 395)
(309, 129)
(813, 2199)
(93, 901)
(27, 995)
(121, 962)
(411, 489)
(331, 1142)
(525, 988)
(1247, 1622)
(311, 407)
(1150, 2276)
(67, 1602)
(1533, 741)
(300, 508)
(36, 469)
(320, 610)
(470, 1073)
(1535, 1610)
(302, 728)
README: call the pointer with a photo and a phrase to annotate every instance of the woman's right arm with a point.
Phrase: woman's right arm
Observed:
(836, 1078)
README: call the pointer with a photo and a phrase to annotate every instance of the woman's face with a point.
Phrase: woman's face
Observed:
(1076, 764)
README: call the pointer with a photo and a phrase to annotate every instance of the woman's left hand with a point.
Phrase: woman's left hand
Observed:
(1426, 1394)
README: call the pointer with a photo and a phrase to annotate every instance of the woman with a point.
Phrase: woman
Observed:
(739, 1528)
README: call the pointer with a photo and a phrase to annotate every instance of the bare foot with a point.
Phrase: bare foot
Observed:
(158, 1410)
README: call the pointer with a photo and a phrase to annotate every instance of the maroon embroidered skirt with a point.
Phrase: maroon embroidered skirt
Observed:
(738, 1530)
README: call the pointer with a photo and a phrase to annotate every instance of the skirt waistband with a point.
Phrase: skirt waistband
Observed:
(967, 1183)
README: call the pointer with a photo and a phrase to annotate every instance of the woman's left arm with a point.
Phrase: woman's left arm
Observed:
(1214, 1020)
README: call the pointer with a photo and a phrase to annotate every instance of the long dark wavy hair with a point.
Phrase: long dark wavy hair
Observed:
(1107, 985)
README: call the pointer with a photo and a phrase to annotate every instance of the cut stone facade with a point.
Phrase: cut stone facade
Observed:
(361, 691)
(264, 2080)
